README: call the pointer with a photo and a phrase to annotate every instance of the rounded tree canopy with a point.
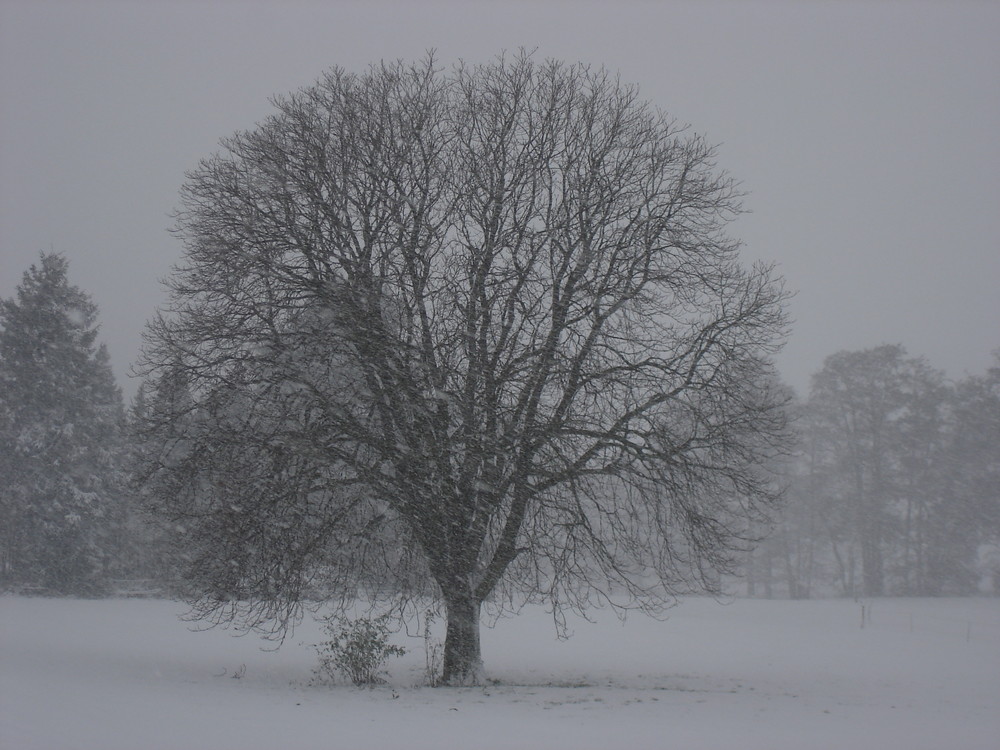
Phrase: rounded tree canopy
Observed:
(498, 304)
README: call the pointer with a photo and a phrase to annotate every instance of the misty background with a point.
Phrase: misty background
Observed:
(863, 133)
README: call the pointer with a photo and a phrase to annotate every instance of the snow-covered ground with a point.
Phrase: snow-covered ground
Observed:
(750, 674)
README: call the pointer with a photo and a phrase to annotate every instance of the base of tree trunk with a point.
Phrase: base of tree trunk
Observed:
(473, 676)
(463, 661)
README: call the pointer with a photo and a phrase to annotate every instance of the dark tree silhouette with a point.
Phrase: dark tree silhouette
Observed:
(478, 330)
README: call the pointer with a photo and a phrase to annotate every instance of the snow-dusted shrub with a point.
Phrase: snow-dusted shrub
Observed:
(357, 650)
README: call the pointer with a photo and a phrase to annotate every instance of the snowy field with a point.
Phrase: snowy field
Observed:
(129, 674)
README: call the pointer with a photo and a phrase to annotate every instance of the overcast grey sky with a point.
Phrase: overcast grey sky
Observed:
(866, 134)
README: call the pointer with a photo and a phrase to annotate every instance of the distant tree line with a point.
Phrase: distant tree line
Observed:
(892, 486)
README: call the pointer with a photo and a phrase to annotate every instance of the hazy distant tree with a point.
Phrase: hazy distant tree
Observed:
(152, 556)
(925, 505)
(785, 560)
(877, 415)
(61, 419)
(799, 527)
(490, 314)
(970, 501)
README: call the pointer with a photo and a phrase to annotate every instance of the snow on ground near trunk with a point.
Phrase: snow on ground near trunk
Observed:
(751, 674)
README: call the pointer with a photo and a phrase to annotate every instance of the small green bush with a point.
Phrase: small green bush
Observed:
(357, 650)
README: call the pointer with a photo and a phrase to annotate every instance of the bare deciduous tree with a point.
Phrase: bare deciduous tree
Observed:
(874, 415)
(482, 325)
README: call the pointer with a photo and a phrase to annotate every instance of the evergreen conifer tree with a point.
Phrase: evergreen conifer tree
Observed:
(61, 430)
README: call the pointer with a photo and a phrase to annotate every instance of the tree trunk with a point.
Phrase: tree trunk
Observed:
(463, 661)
